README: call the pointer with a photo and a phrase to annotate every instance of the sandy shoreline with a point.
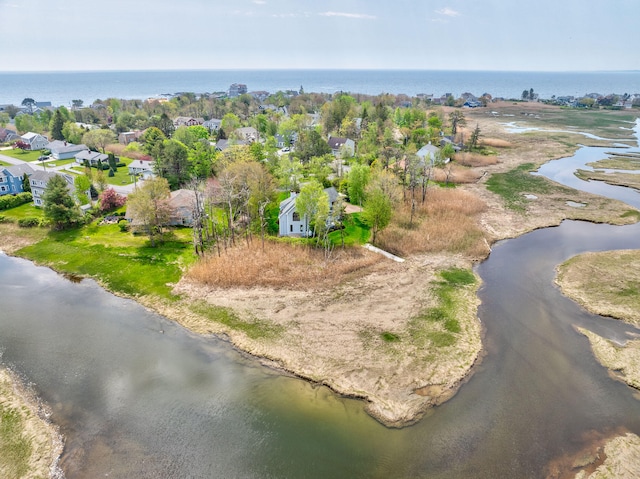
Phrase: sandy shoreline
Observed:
(45, 441)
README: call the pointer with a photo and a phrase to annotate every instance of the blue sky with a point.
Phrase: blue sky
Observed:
(538, 35)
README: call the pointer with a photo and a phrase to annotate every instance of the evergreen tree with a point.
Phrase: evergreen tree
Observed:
(26, 186)
(57, 123)
(59, 207)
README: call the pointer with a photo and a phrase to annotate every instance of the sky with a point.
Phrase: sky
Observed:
(508, 35)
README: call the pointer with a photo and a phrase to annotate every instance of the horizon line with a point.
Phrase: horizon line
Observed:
(138, 70)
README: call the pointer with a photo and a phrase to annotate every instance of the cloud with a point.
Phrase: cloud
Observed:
(260, 2)
(362, 16)
(449, 12)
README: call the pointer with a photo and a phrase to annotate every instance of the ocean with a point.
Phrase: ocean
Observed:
(61, 87)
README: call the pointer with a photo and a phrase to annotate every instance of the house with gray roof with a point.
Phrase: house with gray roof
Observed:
(35, 141)
(39, 180)
(343, 147)
(62, 150)
(93, 157)
(428, 153)
(7, 135)
(11, 178)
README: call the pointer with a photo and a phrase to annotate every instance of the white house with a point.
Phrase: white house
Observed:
(290, 221)
(35, 141)
(141, 167)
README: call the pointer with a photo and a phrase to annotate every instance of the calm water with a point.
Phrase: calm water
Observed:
(62, 87)
(135, 402)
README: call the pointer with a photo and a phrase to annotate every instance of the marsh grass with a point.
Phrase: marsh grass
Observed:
(474, 160)
(446, 222)
(15, 448)
(254, 328)
(514, 184)
(439, 324)
(456, 174)
(281, 265)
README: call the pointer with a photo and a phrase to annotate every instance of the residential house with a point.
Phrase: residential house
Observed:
(39, 180)
(237, 89)
(290, 221)
(92, 157)
(11, 178)
(428, 153)
(62, 150)
(35, 141)
(343, 147)
(212, 125)
(259, 95)
(187, 121)
(286, 140)
(127, 137)
(8, 136)
(143, 168)
(182, 203)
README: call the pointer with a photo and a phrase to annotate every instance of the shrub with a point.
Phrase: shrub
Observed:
(123, 225)
(2, 218)
(11, 201)
(29, 222)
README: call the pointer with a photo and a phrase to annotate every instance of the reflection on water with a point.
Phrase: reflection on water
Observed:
(133, 402)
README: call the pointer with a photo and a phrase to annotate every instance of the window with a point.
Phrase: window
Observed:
(296, 216)
(2, 188)
(290, 228)
(300, 228)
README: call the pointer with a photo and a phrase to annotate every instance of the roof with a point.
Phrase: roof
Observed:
(45, 176)
(18, 171)
(91, 156)
(64, 147)
(141, 164)
(183, 198)
(429, 149)
(335, 142)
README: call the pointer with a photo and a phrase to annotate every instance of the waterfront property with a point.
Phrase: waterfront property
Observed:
(290, 221)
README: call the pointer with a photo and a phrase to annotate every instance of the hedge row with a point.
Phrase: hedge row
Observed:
(11, 201)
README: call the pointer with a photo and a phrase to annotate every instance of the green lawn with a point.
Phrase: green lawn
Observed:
(23, 154)
(28, 210)
(355, 232)
(122, 176)
(125, 263)
(4, 163)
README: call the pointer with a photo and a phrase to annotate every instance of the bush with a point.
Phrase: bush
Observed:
(3, 218)
(120, 164)
(28, 222)
(11, 201)
(123, 225)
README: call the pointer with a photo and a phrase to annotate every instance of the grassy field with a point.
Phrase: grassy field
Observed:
(355, 232)
(125, 263)
(15, 446)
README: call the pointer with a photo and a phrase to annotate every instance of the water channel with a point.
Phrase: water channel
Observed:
(138, 396)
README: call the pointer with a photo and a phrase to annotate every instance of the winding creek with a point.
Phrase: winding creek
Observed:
(138, 396)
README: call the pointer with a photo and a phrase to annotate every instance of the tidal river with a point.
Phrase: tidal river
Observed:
(137, 396)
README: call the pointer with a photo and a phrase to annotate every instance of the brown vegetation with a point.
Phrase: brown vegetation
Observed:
(494, 143)
(446, 222)
(120, 150)
(281, 265)
(457, 174)
(466, 158)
